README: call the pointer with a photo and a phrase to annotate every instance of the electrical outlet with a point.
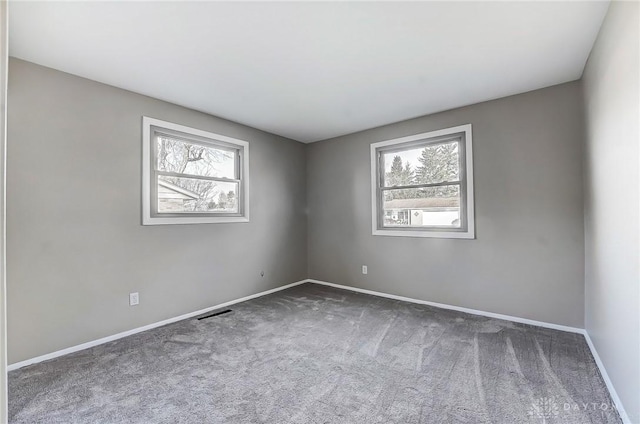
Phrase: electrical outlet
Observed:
(364, 269)
(134, 299)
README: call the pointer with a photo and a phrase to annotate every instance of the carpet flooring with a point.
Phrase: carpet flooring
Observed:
(315, 354)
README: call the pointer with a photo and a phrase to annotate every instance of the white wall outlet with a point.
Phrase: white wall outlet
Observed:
(134, 299)
(364, 269)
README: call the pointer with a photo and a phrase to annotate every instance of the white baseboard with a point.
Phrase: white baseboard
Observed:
(103, 340)
(457, 308)
(603, 371)
(607, 381)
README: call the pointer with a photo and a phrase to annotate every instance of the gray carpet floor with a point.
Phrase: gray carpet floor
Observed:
(315, 354)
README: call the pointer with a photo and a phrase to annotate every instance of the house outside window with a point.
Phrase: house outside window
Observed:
(192, 176)
(422, 185)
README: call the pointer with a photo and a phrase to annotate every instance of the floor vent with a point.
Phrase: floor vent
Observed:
(216, 314)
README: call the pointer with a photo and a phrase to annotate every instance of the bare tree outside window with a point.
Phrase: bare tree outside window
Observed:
(180, 157)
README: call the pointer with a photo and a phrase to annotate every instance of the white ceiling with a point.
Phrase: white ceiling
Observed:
(311, 71)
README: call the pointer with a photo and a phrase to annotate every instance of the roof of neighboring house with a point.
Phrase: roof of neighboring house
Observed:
(178, 189)
(432, 202)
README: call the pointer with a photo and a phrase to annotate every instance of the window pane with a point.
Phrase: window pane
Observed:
(183, 195)
(186, 158)
(424, 207)
(435, 163)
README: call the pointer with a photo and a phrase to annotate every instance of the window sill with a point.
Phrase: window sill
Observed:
(193, 220)
(426, 234)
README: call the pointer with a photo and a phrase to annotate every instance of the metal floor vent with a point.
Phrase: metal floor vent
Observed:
(226, 311)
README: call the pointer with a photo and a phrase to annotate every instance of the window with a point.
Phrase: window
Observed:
(422, 185)
(191, 176)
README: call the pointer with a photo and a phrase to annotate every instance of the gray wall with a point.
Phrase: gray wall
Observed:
(612, 200)
(527, 259)
(4, 64)
(75, 244)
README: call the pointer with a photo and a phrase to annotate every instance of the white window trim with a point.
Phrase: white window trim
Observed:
(147, 218)
(470, 231)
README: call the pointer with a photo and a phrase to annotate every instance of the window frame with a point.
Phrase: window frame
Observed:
(150, 215)
(465, 181)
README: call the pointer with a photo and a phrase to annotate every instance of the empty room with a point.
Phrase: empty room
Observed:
(320, 212)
